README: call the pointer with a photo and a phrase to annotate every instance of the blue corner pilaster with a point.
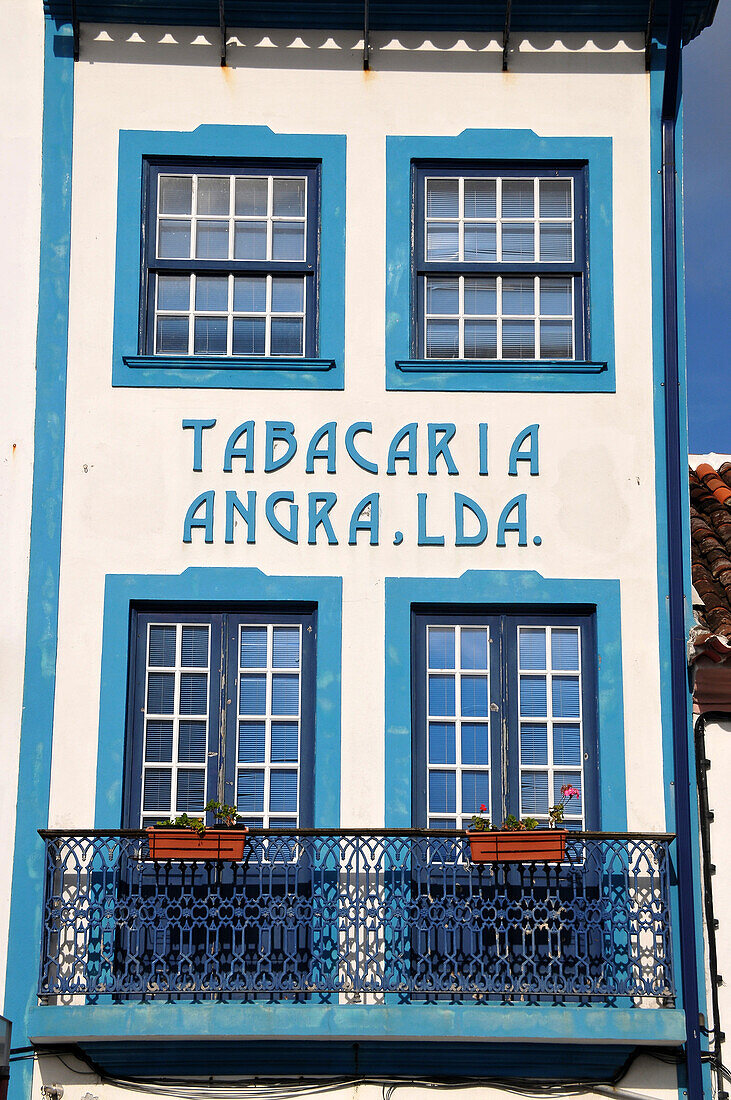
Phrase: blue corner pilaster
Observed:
(45, 543)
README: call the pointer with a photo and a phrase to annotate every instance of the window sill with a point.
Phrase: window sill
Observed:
(227, 372)
(545, 375)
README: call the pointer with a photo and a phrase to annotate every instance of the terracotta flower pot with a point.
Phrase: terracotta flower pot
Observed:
(187, 844)
(529, 846)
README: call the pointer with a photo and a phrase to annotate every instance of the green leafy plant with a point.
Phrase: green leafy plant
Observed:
(182, 821)
(224, 815)
(511, 824)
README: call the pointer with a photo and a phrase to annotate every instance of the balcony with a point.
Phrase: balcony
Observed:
(357, 917)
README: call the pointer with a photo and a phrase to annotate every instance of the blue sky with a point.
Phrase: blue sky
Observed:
(707, 176)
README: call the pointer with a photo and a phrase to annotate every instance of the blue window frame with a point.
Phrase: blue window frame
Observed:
(504, 712)
(499, 262)
(230, 259)
(221, 707)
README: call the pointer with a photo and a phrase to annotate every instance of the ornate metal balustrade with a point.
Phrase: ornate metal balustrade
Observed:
(344, 916)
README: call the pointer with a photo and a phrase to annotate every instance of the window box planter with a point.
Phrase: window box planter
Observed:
(529, 846)
(166, 843)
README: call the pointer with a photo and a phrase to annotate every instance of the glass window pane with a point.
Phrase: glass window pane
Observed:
(211, 292)
(480, 297)
(252, 695)
(286, 647)
(213, 195)
(479, 198)
(473, 648)
(173, 291)
(252, 743)
(249, 336)
(533, 793)
(564, 649)
(209, 336)
(161, 693)
(518, 297)
(556, 243)
(285, 740)
(441, 646)
(442, 339)
(286, 336)
(289, 198)
(533, 700)
(480, 242)
(480, 339)
(533, 744)
(441, 695)
(173, 239)
(565, 696)
(288, 241)
(475, 743)
(251, 196)
(474, 697)
(191, 791)
(442, 198)
(442, 241)
(517, 198)
(288, 295)
(442, 792)
(250, 791)
(193, 693)
(176, 194)
(567, 745)
(172, 335)
(518, 242)
(283, 792)
(156, 790)
(285, 694)
(532, 647)
(250, 240)
(442, 745)
(475, 791)
(555, 198)
(211, 240)
(194, 647)
(159, 741)
(253, 647)
(518, 340)
(161, 647)
(573, 805)
(556, 295)
(556, 340)
(442, 296)
(442, 823)
(250, 294)
(192, 742)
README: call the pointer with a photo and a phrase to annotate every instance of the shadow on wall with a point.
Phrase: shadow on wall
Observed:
(343, 50)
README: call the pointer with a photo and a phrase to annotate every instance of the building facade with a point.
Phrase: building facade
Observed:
(338, 313)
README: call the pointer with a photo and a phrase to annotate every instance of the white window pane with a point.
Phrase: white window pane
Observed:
(518, 340)
(173, 240)
(479, 198)
(474, 696)
(565, 649)
(250, 791)
(159, 741)
(556, 340)
(283, 792)
(288, 241)
(253, 653)
(475, 743)
(473, 648)
(442, 296)
(567, 745)
(442, 792)
(533, 743)
(194, 647)
(480, 297)
(517, 199)
(441, 696)
(193, 693)
(252, 695)
(251, 197)
(286, 338)
(565, 697)
(556, 243)
(556, 295)
(442, 241)
(285, 742)
(285, 694)
(532, 647)
(209, 336)
(480, 339)
(156, 790)
(555, 198)
(442, 198)
(289, 198)
(442, 339)
(518, 243)
(518, 298)
(288, 295)
(161, 693)
(172, 335)
(192, 742)
(173, 291)
(250, 241)
(441, 647)
(286, 647)
(533, 698)
(176, 194)
(475, 791)
(249, 336)
(211, 240)
(191, 791)
(480, 242)
(161, 647)
(250, 294)
(442, 743)
(252, 743)
(211, 292)
(534, 793)
(213, 195)
(560, 779)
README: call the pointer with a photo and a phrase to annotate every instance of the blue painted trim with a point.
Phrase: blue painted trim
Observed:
(230, 142)
(497, 1022)
(503, 146)
(505, 375)
(230, 587)
(280, 365)
(504, 591)
(34, 773)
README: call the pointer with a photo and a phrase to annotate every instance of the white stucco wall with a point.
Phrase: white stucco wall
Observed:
(21, 83)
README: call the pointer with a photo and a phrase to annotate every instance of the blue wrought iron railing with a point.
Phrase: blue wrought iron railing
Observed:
(356, 915)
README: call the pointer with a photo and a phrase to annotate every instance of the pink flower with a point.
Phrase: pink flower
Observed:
(570, 792)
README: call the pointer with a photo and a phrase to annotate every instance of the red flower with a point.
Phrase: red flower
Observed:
(483, 808)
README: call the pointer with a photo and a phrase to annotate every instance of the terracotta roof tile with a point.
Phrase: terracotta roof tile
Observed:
(710, 530)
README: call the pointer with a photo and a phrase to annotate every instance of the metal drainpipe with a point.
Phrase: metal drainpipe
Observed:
(675, 480)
